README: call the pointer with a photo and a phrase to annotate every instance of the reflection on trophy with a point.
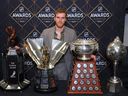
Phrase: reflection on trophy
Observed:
(115, 51)
(84, 78)
(45, 60)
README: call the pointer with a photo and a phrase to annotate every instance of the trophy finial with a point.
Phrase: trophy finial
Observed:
(117, 39)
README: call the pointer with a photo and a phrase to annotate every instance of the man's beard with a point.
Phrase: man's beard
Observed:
(60, 25)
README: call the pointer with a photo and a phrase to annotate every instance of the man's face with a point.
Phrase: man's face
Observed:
(60, 19)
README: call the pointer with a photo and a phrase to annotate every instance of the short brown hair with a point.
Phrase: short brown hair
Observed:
(61, 10)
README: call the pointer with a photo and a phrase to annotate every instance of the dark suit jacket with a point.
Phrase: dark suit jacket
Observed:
(62, 69)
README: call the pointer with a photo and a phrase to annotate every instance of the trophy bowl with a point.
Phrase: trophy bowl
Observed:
(85, 48)
(116, 50)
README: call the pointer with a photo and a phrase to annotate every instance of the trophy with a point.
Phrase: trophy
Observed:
(84, 78)
(13, 78)
(85, 48)
(45, 60)
(115, 51)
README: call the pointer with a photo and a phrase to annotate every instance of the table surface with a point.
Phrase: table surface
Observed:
(61, 91)
(62, 88)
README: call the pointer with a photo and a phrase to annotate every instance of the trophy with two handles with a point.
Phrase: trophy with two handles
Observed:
(45, 60)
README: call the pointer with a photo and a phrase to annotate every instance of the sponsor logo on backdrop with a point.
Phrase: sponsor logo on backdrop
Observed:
(28, 63)
(99, 15)
(33, 34)
(87, 35)
(46, 15)
(75, 15)
(100, 62)
(21, 15)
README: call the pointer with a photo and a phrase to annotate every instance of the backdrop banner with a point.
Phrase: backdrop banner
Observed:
(92, 19)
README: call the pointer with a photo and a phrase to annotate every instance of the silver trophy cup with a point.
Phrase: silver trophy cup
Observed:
(45, 59)
(115, 51)
(85, 48)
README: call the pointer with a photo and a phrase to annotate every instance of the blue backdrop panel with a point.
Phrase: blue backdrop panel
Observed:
(92, 19)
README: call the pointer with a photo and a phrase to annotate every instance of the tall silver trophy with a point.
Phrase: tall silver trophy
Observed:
(115, 51)
(45, 59)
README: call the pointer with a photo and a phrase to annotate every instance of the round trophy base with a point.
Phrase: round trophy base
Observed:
(45, 81)
(114, 85)
(48, 90)
(4, 85)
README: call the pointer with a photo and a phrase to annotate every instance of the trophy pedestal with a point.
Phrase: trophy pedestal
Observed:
(84, 78)
(19, 86)
(44, 81)
(114, 85)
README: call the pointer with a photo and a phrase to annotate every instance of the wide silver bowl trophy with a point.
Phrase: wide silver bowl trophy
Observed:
(116, 52)
(45, 60)
(85, 48)
(84, 78)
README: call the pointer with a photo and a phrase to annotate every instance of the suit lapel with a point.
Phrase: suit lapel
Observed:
(65, 34)
(51, 35)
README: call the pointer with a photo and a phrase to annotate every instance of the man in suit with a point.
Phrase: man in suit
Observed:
(60, 32)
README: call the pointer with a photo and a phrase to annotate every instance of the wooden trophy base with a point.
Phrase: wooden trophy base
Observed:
(84, 78)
